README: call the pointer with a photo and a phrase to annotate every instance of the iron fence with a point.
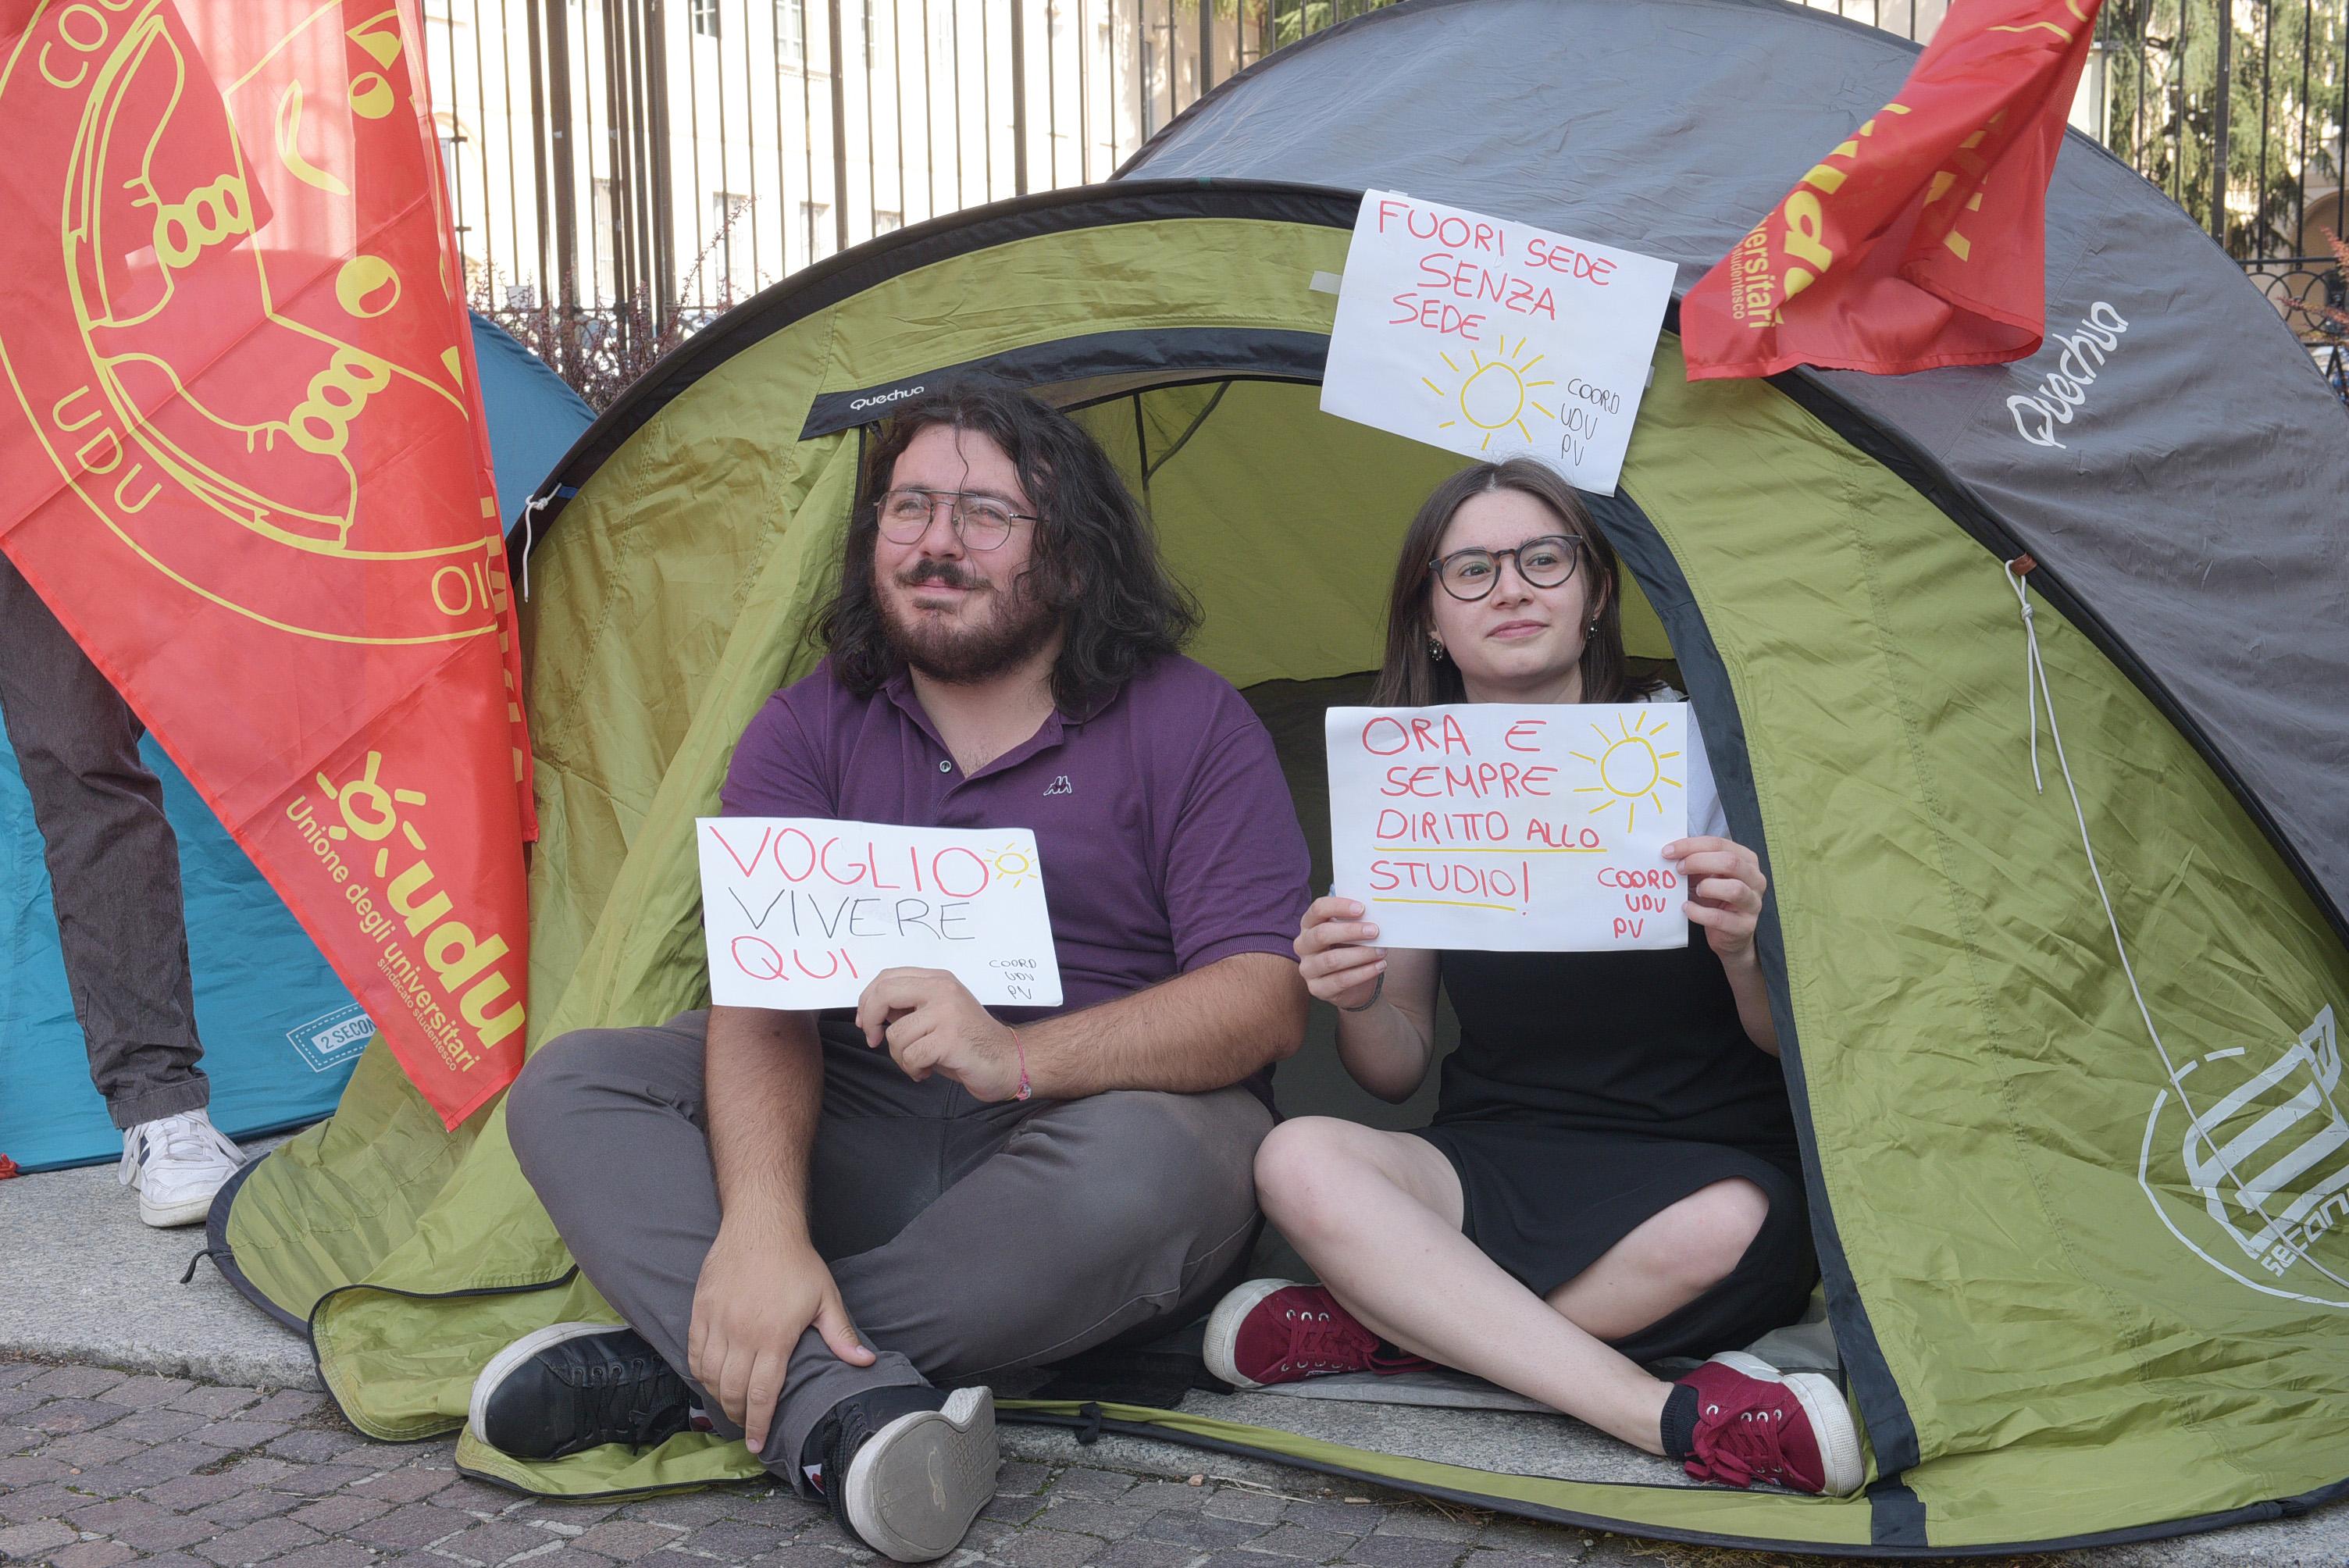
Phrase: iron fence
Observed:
(2312, 294)
(622, 171)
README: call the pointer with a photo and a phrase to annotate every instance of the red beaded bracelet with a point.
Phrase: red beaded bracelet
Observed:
(1026, 1088)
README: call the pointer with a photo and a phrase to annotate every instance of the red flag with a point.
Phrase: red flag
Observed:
(248, 471)
(1920, 240)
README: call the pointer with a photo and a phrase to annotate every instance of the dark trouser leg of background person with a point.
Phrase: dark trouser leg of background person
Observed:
(114, 874)
(967, 1239)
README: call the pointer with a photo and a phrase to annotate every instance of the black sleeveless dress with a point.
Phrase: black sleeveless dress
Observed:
(1592, 1090)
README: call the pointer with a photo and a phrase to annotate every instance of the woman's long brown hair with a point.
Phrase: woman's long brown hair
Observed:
(1410, 676)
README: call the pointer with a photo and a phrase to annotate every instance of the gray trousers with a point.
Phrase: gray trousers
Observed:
(967, 1239)
(114, 863)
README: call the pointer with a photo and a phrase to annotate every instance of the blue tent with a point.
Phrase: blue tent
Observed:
(280, 1032)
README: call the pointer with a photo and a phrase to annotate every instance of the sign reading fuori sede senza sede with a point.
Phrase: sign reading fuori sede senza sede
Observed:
(250, 474)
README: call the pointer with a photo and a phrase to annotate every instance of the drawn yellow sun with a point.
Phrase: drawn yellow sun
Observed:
(1493, 395)
(1012, 866)
(1630, 769)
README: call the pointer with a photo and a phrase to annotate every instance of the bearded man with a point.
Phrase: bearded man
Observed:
(816, 1224)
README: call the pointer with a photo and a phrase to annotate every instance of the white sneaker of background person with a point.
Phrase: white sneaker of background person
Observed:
(176, 1163)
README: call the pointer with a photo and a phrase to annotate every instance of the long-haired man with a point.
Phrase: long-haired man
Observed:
(815, 1224)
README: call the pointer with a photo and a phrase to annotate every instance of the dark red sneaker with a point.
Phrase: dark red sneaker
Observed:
(1754, 1423)
(1277, 1331)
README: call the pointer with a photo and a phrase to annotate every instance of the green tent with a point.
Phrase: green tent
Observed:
(2082, 1270)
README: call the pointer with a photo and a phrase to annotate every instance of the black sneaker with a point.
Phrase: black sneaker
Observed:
(907, 1468)
(577, 1386)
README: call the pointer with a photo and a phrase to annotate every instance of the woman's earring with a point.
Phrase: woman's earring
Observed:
(1435, 650)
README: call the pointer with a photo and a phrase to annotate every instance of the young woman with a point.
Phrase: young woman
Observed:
(1611, 1176)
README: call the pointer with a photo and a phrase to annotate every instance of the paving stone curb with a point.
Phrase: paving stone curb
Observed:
(100, 1468)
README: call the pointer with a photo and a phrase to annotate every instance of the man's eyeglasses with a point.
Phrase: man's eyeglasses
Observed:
(1543, 562)
(981, 521)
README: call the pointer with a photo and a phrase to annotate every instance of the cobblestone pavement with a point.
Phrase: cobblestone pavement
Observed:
(100, 1468)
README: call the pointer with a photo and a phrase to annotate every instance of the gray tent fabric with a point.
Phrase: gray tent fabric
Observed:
(2125, 457)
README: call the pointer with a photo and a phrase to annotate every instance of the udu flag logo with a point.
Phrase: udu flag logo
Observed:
(249, 473)
(2246, 1158)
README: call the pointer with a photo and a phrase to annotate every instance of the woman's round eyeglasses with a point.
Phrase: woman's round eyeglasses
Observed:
(980, 520)
(1543, 562)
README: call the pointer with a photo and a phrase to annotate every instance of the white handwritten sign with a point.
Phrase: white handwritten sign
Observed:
(800, 911)
(1511, 830)
(1494, 338)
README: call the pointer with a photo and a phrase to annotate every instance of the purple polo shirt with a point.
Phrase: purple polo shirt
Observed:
(1167, 836)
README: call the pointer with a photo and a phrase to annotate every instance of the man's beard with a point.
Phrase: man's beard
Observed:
(966, 655)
